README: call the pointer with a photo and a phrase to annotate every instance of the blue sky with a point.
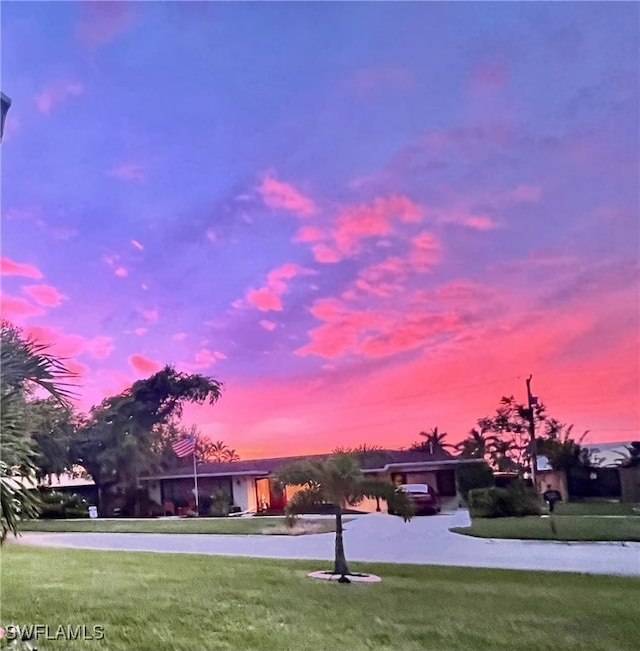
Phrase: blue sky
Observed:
(339, 209)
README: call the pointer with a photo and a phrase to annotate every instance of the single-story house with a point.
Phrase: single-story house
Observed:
(251, 486)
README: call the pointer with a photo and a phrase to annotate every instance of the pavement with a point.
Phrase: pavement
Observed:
(377, 537)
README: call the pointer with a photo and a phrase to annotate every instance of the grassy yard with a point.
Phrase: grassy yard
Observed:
(238, 526)
(568, 527)
(174, 602)
(597, 507)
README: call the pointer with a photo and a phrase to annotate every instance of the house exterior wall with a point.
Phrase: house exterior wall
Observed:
(244, 492)
(154, 491)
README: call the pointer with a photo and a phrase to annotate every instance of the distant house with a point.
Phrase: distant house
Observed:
(250, 484)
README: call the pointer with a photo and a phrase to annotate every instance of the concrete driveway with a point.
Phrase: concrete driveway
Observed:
(378, 537)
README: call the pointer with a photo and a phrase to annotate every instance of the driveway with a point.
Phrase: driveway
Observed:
(378, 537)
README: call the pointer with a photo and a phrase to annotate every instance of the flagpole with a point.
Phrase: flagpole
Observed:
(195, 481)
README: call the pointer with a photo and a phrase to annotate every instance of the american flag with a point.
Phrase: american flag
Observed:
(185, 446)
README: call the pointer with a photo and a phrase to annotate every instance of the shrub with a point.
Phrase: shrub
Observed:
(516, 501)
(473, 475)
(56, 504)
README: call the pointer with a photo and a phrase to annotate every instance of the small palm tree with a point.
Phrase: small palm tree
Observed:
(338, 481)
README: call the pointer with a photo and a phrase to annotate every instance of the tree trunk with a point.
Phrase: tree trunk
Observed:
(340, 563)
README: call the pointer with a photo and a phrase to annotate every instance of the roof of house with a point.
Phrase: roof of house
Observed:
(373, 461)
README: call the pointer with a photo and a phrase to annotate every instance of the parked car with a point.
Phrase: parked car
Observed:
(424, 497)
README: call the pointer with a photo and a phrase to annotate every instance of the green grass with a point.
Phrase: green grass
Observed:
(175, 602)
(568, 527)
(238, 526)
(597, 507)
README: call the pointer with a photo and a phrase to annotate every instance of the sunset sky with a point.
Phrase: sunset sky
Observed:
(366, 219)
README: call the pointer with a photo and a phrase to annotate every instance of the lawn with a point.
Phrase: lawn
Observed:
(238, 526)
(597, 507)
(174, 602)
(568, 527)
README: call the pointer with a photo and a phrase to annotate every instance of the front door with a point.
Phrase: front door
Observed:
(446, 482)
(277, 497)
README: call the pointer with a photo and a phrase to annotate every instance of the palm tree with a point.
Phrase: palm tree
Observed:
(217, 451)
(25, 365)
(338, 481)
(434, 440)
(477, 445)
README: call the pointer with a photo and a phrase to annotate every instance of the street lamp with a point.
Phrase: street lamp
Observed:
(6, 103)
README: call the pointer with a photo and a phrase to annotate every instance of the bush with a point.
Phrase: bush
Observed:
(473, 475)
(56, 504)
(516, 501)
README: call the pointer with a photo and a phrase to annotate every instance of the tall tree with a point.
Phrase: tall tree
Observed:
(337, 481)
(26, 366)
(119, 441)
(477, 445)
(216, 451)
(52, 427)
(434, 440)
(510, 425)
(561, 449)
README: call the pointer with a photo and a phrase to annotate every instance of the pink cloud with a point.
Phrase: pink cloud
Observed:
(203, 359)
(150, 315)
(63, 344)
(137, 245)
(268, 298)
(383, 77)
(464, 217)
(265, 299)
(128, 172)
(77, 368)
(277, 194)
(141, 331)
(143, 364)
(121, 272)
(17, 309)
(413, 331)
(211, 235)
(479, 222)
(425, 251)
(9, 267)
(268, 325)
(69, 345)
(55, 93)
(356, 223)
(308, 234)
(488, 77)
(179, 336)
(526, 194)
(45, 295)
(102, 22)
(463, 290)
(206, 357)
(460, 375)
(325, 254)
(100, 347)
(386, 277)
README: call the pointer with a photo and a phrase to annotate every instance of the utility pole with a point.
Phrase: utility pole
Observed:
(532, 401)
